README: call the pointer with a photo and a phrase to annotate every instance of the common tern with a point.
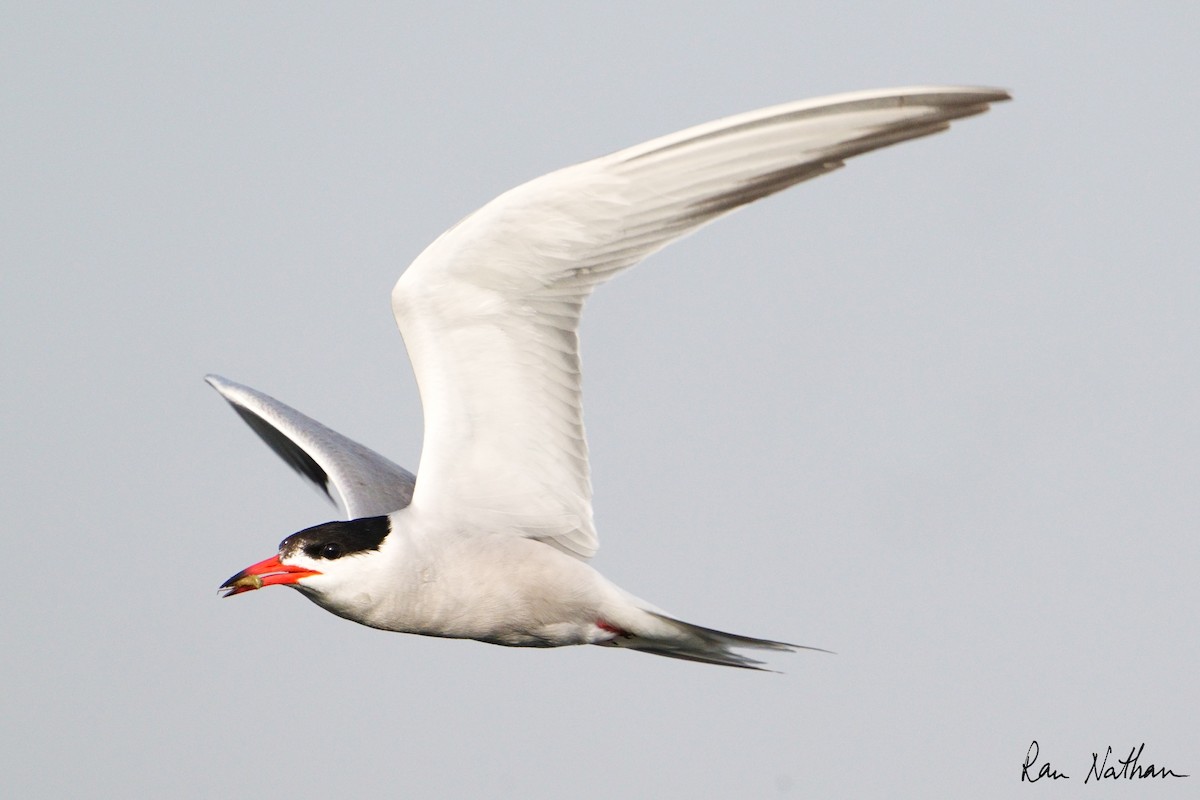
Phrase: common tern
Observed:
(492, 541)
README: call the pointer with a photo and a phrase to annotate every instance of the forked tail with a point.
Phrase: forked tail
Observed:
(677, 639)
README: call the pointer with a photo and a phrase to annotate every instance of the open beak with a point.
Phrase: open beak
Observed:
(264, 573)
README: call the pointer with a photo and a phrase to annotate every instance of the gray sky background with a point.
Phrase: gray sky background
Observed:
(936, 412)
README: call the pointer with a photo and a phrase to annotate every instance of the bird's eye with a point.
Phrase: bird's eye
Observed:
(331, 551)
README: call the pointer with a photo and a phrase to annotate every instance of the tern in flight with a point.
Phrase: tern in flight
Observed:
(490, 540)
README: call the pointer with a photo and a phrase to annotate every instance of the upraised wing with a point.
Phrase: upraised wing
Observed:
(366, 484)
(490, 311)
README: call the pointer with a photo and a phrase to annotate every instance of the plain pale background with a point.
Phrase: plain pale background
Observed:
(936, 412)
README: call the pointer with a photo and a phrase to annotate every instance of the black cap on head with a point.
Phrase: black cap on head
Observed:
(332, 540)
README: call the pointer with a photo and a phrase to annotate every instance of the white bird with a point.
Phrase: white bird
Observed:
(491, 541)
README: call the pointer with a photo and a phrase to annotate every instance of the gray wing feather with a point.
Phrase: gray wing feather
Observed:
(362, 482)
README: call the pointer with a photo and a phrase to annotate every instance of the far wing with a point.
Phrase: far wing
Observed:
(366, 483)
(490, 311)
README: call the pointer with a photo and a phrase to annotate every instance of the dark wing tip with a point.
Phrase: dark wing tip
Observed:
(283, 446)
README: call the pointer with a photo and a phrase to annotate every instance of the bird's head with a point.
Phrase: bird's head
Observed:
(318, 561)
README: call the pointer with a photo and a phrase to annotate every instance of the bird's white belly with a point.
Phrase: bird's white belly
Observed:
(499, 589)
